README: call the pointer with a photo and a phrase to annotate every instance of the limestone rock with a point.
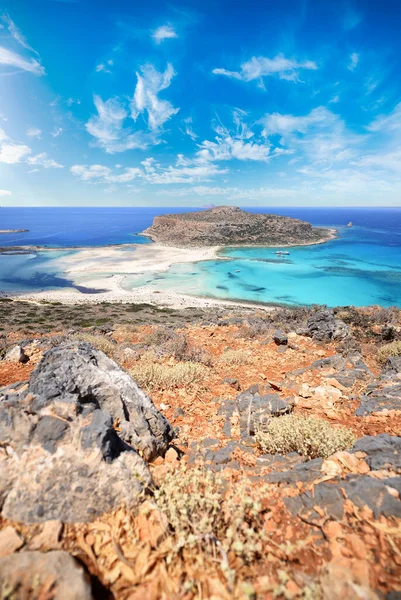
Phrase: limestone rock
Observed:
(323, 326)
(280, 338)
(16, 354)
(77, 436)
(56, 571)
(10, 541)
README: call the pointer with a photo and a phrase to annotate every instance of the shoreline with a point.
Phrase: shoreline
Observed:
(105, 268)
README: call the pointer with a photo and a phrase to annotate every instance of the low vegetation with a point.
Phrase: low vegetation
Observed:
(393, 349)
(154, 375)
(308, 436)
(202, 513)
(235, 357)
(167, 342)
(100, 342)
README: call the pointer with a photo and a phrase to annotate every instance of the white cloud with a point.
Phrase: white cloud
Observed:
(13, 153)
(89, 173)
(108, 128)
(15, 32)
(104, 67)
(12, 59)
(56, 132)
(42, 160)
(354, 60)
(276, 123)
(165, 32)
(5, 193)
(387, 123)
(259, 67)
(34, 132)
(188, 129)
(150, 84)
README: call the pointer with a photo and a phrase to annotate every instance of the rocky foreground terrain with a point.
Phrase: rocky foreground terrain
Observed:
(229, 225)
(148, 453)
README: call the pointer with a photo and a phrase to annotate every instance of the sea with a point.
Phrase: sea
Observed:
(361, 267)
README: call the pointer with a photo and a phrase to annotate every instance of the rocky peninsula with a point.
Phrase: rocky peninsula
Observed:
(231, 226)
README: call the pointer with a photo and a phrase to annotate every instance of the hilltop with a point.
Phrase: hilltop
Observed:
(230, 225)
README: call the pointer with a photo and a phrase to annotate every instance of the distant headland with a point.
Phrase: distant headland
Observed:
(232, 226)
(13, 230)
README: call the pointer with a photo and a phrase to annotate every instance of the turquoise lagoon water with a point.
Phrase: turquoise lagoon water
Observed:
(361, 267)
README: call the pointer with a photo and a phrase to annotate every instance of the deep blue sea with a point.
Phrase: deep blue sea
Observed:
(361, 267)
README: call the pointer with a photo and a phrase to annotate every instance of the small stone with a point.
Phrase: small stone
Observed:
(10, 541)
(180, 412)
(171, 456)
(233, 382)
(49, 538)
(16, 354)
(280, 338)
(58, 571)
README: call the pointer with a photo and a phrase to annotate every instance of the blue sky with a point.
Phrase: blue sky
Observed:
(107, 103)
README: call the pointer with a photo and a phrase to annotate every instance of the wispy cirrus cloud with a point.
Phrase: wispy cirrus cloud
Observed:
(111, 126)
(14, 59)
(33, 132)
(105, 67)
(42, 160)
(353, 61)
(259, 67)
(165, 32)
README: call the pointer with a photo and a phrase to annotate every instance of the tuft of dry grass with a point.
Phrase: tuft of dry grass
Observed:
(100, 342)
(167, 342)
(308, 436)
(392, 349)
(235, 357)
(154, 375)
(203, 513)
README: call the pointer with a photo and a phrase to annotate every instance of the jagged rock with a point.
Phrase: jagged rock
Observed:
(256, 409)
(280, 338)
(79, 435)
(323, 326)
(10, 541)
(336, 362)
(380, 396)
(383, 451)
(392, 365)
(16, 354)
(56, 571)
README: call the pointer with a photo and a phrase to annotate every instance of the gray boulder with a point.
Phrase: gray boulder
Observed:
(256, 408)
(323, 326)
(280, 338)
(27, 573)
(16, 354)
(77, 438)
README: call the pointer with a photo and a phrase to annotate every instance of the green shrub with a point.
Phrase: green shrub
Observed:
(200, 512)
(308, 436)
(393, 349)
(158, 376)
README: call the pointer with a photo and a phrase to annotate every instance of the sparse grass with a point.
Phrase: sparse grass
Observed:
(202, 513)
(393, 349)
(235, 357)
(166, 342)
(154, 375)
(308, 436)
(100, 342)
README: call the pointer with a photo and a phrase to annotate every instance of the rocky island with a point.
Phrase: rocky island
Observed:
(230, 226)
(13, 230)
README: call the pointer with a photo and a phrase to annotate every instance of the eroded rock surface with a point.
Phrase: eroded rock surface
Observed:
(76, 438)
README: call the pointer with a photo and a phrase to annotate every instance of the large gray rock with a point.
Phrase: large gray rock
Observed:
(76, 438)
(323, 326)
(34, 574)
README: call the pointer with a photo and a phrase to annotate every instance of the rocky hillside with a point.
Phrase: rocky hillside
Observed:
(217, 454)
(229, 225)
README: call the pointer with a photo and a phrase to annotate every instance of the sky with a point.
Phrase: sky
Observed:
(242, 102)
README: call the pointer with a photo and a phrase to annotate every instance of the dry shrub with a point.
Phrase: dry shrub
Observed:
(167, 342)
(253, 328)
(100, 342)
(309, 437)
(154, 375)
(125, 333)
(235, 357)
(203, 514)
(393, 349)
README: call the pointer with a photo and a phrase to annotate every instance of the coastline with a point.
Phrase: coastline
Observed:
(105, 268)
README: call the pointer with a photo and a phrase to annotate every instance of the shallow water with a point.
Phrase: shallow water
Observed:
(361, 267)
